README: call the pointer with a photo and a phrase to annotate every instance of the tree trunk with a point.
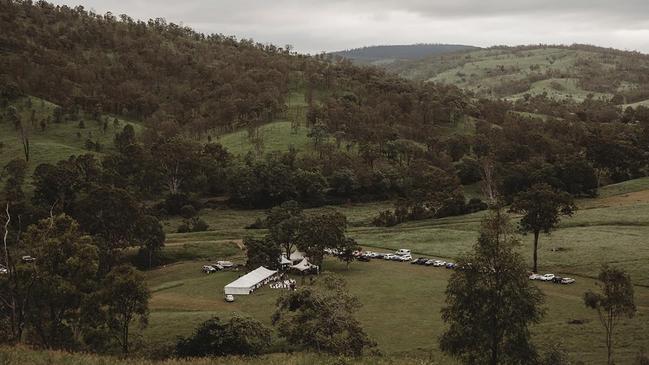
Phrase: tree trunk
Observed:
(536, 249)
(125, 339)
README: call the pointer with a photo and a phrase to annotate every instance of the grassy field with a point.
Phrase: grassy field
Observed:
(58, 141)
(492, 72)
(402, 301)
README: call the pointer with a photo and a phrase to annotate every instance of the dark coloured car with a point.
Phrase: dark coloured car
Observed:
(363, 258)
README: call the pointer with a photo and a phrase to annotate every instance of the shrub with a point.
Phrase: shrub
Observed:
(385, 219)
(183, 228)
(187, 211)
(175, 202)
(237, 336)
(199, 225)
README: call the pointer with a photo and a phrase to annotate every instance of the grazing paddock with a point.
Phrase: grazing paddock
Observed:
(402, 302)
(401, 306)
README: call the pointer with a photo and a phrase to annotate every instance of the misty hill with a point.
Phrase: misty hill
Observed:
(575, 72)
(390, 53)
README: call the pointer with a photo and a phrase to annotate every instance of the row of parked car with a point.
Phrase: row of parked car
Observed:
(402, 255)
(552, 278)
(218, 266)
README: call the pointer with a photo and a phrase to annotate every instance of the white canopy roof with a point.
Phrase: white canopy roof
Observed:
(245, 284)
(284, 261)
(297, 256)
(303, 265)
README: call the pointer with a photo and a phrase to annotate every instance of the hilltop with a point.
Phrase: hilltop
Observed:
(387, 54)
(576, 72)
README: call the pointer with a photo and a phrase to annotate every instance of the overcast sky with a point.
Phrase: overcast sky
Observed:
(312, 26)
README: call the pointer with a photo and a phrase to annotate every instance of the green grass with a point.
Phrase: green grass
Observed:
(276, 136)
(58, 141)
(20, 355)
(624, 187)
(488, 70)
(402, 302)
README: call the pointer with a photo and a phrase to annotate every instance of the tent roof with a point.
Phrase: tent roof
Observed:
(252, 278)
(297, 255)
(303, 265)
(284, 261)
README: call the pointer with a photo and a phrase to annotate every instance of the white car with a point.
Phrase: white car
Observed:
(3, 270)
(225, 264)
(402, 251)
(547, 277)
(208, 269)
(229, 298)
(371, 254)
(389, 256)
(567, 281)
(405, 258)
(438, 263)
(535, 276)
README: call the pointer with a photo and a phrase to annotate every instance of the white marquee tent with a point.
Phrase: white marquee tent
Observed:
(245, 284)
(304, 265)
(297, 256)
(283, 261)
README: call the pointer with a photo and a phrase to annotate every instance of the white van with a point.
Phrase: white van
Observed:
(403, 251)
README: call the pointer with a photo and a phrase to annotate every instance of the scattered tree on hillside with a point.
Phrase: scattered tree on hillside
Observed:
(541, 206)
(490, 303)
(320, 317)
(126, 298)
(613, 303)
(58, 281)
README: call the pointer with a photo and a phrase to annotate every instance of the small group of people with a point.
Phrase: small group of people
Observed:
(284, 284)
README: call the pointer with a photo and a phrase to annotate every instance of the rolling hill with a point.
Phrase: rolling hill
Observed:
(576, 72)
(381, 55)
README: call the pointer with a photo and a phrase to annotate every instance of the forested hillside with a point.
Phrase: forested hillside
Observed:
(135, 153)
(560, 72)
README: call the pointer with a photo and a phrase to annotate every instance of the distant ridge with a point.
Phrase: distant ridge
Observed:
(392, 53)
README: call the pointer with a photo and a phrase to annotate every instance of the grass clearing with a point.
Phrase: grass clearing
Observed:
(402, 302)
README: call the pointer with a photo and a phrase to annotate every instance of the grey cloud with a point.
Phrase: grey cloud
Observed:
(315, 25)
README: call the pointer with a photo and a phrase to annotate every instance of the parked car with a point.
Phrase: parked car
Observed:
(419, 261)
(379, 255)
(225, 264)
(450, 265)
(535, 276)
(3, 270)
(208, 269)
(430, 262)
(557, 280)
(363, 258)
(566, 281)
(438, 263)
(229, 298)
(28, 259)
(402, 251)
(547, 277)
(405, 258)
